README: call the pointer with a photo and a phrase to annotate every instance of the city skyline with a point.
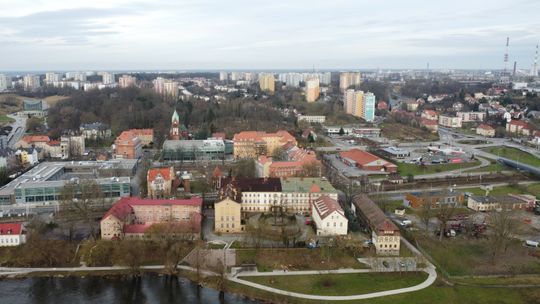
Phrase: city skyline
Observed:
(213, 35)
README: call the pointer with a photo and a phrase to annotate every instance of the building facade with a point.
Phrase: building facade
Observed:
(348, 79)
(131, 217)
(12, 234)
(159, 182)
(251, 144)
(127, 146)
(228, 215)
(450, 121)
(267, 83)
(435, 198)
(385, 235)
(312, 89)
(329, 217)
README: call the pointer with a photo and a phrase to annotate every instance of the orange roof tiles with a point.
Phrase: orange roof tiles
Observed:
(36, 138)
(165, 172)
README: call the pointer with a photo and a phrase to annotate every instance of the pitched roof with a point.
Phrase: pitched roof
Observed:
(374, 216)
(485, 127)
(165, 172)
(10, 228)
(253, 184)
(325, 206)
(124, 206)
(217, 172)
(364, 158)
(430, 112)
(36, 138)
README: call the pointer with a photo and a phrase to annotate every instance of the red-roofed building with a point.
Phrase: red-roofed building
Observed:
(429, 124)
(146, 136)
(329, 217)
(519, 127)
(12, 234)
(382, 105)
(37, 141)
(430, 114)
(159, 182)
(251, 144)
(300, 162)
(128, 145)
(130, 217)
(385, 235)
(485, 130)
(366, 161)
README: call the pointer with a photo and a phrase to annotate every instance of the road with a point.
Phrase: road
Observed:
(19, 127)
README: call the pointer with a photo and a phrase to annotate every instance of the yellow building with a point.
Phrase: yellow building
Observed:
(267, 83)
(353, 102)
(227, 216)
(312, 89)
(252, 144)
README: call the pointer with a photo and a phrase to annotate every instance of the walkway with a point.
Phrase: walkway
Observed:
(430, 270)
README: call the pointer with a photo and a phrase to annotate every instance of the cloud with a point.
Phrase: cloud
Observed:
(176, 34)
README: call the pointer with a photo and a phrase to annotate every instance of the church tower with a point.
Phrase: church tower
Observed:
(174, 133)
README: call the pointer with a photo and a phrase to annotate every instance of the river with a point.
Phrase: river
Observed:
(150, 288)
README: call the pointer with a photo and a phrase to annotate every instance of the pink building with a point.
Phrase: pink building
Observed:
(130, 217)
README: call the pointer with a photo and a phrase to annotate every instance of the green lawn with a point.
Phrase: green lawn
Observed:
(406, 169)
(514, 154)
(492, 168)
(436, 293)
(341, 284)
(4, 120)
(533, 189)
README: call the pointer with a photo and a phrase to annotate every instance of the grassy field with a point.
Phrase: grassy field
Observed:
(296, 259)
(492, 168)
(4, 120)
(460, 257)
(341, 284)
(53, 100)
(403, 132)
(436, 293)
(533, 189)
(406, 169)
(514, 154)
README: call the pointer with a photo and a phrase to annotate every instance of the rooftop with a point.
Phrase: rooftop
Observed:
(253, 184)
(10, 228)
(325, 206)
(306, 184)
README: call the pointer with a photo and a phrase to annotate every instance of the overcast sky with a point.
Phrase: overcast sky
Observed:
(276, 34)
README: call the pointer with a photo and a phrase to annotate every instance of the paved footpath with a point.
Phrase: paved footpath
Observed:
(432, 275)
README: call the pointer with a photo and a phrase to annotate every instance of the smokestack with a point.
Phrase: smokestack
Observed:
(515, 67)
(506, 55)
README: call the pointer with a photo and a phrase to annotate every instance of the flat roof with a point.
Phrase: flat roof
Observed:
(306, 184)
(40, 175)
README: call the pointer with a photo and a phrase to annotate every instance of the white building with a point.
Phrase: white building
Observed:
(107, 78)
(12, 234)
(5, 82)
(471, 116)
(126, 81)
(31, 82)
(328, 216)
(449, 121)
(312, 118)
(223, 76)
(52, 78)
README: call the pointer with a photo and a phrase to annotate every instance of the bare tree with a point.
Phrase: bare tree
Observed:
(504, 225)
(444, 214)
(426, 213)
(80, 201)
